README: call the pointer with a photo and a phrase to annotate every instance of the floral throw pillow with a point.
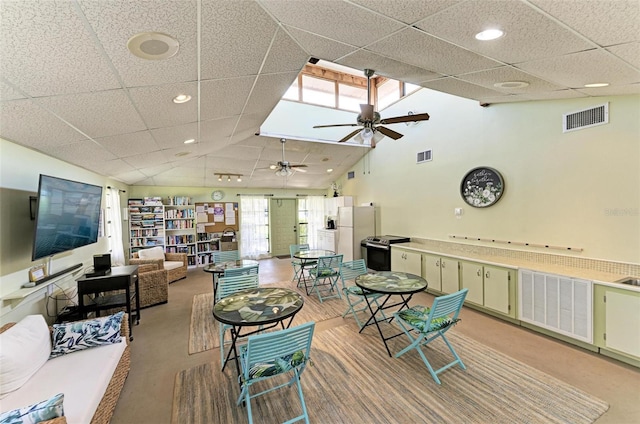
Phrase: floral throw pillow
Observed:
(41, 411)
(74, 336)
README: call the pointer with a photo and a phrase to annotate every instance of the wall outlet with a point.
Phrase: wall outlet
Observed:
(457, 212)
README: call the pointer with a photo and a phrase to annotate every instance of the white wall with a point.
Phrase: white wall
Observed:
(578, 189)
(20, 169)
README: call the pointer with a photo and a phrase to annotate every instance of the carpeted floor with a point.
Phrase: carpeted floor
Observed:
(353, 380)
(203, 332)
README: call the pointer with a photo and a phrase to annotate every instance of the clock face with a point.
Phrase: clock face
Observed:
(217, 195)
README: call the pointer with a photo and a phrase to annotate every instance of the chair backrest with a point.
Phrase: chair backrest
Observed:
(225, 256)
(230, 285)
(329, 264)
(293, 248)
(350, 270)
(268, 347)
(448, 305)
(248, 270)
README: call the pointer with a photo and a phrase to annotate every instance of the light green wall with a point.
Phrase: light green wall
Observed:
(578, 189)
(20, 169)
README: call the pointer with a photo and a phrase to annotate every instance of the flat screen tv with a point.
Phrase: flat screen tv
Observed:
(67, 216)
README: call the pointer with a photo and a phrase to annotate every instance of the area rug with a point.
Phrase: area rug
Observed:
(203, 331)
(353, 380)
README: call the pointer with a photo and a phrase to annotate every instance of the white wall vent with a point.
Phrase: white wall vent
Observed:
(424, 156)
(597, 115)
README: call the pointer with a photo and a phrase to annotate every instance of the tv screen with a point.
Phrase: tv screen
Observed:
(67, 216)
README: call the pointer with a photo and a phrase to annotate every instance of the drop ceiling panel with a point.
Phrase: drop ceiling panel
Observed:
(154, 170)
(9, 93)
(174, 137)
(461, 88)
(606, 22)
(116, 22)
(86, 154)
(506, 74)
(148, 159)
(419, 49)
(239, 151)
(268, 91)
(223, 98)
(117, 166)
(346, 20)
(629, 52)
(50, 35)
(575, 70)
(125, 145)
(407, 11)
(47, 131)
(132, 177)
(614, 90)
(559, 94)
(156, 106)
(319, 47)
(98, 114)
(528, 33)
(235, 38)
(218, 130)
(285, 55)
(363, 59)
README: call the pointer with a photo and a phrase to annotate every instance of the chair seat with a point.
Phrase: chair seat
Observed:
(275, 366)
(327, 272)
(417, 318)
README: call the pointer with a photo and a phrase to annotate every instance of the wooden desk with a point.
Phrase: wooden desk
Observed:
(113, 290)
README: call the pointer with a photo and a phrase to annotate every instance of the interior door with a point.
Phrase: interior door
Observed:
(283, 224)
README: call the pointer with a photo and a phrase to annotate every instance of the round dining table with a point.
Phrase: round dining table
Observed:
(218, 269)
(307, 259)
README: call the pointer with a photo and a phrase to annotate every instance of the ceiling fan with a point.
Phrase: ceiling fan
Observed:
(284, 168)
(372, 129)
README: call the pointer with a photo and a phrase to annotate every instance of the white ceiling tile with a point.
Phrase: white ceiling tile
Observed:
(363, 59)
(235, 38)
(133, 177)
(285, 55)
(559, 94)
(463, 88)
(115, 167)
(267, 92)
(223, 98)
(616, 90)
(419, 49)
(7, 92)
(26, 123)
(86, 153)
(98, 114)
(629, 52)
(318, 46)
(115, 22)
(505, 74)
(528, 33)
(175, 136)
(606, 22)
(157, 108)
(150, 171)
(47, 50)
(148, 160)
(575, 70)
(346, 20)
(124, 145)
(407, 11)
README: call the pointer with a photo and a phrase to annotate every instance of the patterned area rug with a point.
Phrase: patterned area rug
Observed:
(203, 332)
(353, 380)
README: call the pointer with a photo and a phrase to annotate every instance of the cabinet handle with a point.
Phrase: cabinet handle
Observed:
(438, 263)
(487, 275)
(479, 273)
(442, 264)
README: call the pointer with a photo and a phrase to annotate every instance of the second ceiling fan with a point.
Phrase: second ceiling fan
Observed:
(371, 123)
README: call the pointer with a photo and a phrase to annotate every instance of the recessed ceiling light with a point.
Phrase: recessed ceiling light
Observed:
(182, 154)
(330, 170)
(153, 45)
(489, 34)
(191, 140)
(511, 84)
(181, 98)
(597, 84)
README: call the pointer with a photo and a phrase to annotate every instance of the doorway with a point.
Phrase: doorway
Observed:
(283, 223)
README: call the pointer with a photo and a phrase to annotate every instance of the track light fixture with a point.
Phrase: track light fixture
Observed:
(238, 177)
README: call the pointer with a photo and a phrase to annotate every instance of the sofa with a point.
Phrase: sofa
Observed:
(84, 378)
(174, 263)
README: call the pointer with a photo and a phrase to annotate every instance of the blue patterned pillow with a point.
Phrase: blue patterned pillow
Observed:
(74, 336)
(32, 414)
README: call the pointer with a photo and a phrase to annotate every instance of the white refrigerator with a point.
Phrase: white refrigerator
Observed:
(354, 224)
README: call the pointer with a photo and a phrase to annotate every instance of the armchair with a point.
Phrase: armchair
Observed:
(174, 263)
(153, 285)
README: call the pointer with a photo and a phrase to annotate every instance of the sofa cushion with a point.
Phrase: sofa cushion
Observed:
(74, 336)
(25, 348)
(152, 253)
(32, 414)
(169, 265)
(83, 378)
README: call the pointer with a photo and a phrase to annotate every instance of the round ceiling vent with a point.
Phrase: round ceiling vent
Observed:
(153, 45)
(511, 84)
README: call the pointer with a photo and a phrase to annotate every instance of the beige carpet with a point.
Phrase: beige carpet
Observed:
(353, 380)
(203, 332)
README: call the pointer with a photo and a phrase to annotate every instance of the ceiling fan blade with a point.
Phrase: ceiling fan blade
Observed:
(298, 166)
(389, 133)
(366, 112)
(351, 135)
(407, 118)
(335, 125)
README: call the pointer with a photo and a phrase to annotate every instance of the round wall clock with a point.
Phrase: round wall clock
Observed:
(217, 195)
(482, 187)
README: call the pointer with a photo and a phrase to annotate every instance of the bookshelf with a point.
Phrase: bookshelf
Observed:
(146, 223)
(180, 228)
(210, 230)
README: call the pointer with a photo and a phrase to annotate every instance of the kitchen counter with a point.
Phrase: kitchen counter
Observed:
(598, 277)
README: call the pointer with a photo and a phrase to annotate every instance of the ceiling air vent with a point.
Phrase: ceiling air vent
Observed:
(597, 115)
(424, 156)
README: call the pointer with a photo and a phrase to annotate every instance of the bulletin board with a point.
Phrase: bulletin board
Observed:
(215, 217)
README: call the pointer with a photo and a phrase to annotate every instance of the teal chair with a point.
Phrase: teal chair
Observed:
(298, 269)
(325, 276)
(234, 272)
(226, 287)
(423, 325)
(225, 256)
(353, 294)
(272, 354)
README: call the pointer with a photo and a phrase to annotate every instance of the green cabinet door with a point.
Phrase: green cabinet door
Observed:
(450, 275)
(471, 278)
(431, 271)
(499, 290)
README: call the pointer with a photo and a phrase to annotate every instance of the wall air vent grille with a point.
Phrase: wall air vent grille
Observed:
(597, 115)
(424, 156)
